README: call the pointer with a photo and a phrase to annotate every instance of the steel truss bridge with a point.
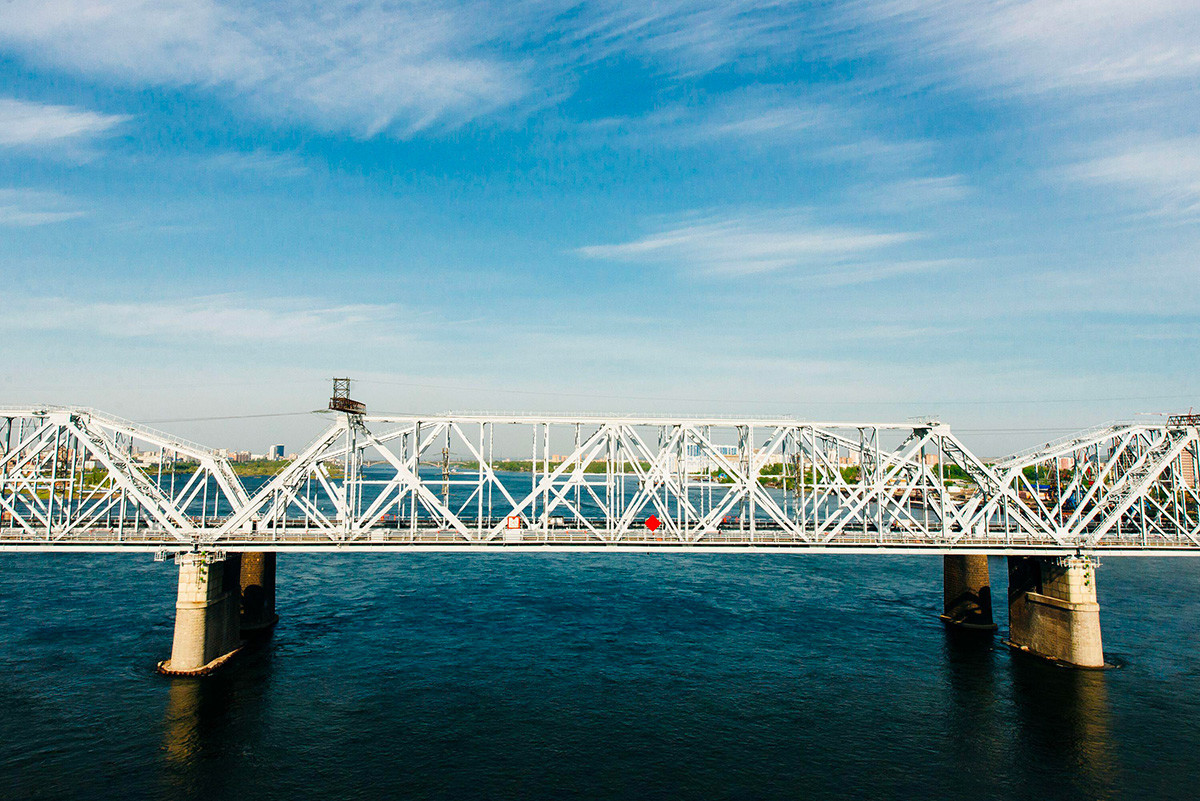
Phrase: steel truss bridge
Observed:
(76, 479)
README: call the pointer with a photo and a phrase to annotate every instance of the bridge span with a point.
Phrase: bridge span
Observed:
(75, 479)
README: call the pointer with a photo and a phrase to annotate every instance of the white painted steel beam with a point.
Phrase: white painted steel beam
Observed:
(73, 478)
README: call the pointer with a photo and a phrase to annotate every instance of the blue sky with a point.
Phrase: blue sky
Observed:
(863, 210)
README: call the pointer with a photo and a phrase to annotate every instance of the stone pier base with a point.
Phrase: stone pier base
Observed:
(1052, 609)
(207, 630)
(968, 593)
(258, 592)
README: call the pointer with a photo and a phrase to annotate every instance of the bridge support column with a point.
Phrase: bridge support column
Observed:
(1052, 609)
(206, 615)
(258, 591)
(967, 593)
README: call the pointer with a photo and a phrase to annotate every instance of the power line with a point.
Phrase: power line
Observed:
(1012, 430)
(777, 402)
(230, 417)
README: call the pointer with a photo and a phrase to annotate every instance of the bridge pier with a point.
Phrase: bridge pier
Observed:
(258, 591)
(207, 630)
(1053, 611)
(967, 600)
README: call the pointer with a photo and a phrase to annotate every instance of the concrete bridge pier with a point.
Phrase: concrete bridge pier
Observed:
(258, 592)
(1053, 611)
(967, 589)
(207, 629)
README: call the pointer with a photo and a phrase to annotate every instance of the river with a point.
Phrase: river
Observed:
(617, 676)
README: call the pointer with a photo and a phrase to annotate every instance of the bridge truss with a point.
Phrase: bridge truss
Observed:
(76, 479)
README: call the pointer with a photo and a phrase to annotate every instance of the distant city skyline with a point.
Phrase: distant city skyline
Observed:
(988, 213)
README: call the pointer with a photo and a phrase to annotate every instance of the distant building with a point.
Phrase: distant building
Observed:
(277, 452)
(145, 458)
(698, 459)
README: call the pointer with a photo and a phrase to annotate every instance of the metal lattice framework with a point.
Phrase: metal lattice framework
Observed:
(76, 479)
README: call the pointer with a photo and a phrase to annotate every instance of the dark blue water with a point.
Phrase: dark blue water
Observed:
(590, 676)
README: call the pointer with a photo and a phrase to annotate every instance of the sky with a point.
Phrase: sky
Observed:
(866, 210)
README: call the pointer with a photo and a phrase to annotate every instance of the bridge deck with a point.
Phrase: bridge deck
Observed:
(582, 540)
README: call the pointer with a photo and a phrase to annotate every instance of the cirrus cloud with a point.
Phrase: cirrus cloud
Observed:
(220, 318)
(748, 244)
(26, 208)
(24, 124)
(1162, 174)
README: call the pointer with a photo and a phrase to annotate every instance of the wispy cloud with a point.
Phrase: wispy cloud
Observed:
(739, 117)
(895, 332)
(866, 271)
(1162, 175)
(258, 162)
(827, 128)
(390, 68)
(686, 36)
(913, 193)
(1181, 331)
(748, 244)
(1042, 45)
(220, 318)
(26, 208)
(1105, 67)
(399, 68)
(365, 67)
(1152, 285)
(38, 125)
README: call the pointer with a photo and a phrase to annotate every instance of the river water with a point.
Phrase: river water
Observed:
(626, 676)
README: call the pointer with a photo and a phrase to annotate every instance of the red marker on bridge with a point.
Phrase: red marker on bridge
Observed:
(653, 523)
